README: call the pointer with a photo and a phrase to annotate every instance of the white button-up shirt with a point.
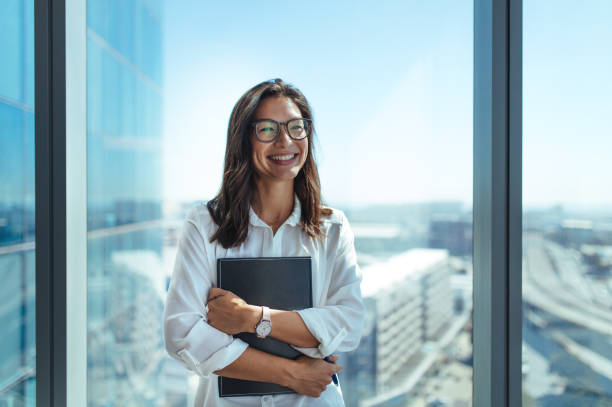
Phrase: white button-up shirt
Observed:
(336, 320)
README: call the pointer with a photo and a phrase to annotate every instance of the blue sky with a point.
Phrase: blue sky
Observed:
(390, 84)
(567, 104)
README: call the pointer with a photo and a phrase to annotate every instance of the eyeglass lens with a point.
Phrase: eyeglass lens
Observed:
(268, 130)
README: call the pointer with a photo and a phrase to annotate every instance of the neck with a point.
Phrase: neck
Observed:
(273, 201)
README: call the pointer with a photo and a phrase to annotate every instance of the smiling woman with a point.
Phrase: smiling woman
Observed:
(250, 171)
(269, 206)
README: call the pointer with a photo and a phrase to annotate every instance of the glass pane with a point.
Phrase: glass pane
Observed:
(17, 233)
(126, 361)
(567, 226)
(391, 89)
(167, 74)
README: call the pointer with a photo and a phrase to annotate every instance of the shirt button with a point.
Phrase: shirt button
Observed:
(267, 401)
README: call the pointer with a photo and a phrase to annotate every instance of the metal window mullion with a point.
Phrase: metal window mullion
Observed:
(515, 202)
(50, 191)
(497, 202)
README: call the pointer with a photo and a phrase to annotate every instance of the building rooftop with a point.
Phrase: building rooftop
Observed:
(412, 263)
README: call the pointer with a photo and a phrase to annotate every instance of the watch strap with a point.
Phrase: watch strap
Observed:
(265, 320)
(266, 314)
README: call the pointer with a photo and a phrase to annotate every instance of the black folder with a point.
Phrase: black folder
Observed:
(277, 282)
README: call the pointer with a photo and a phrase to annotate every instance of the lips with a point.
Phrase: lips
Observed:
(283, 157)
(287, 160)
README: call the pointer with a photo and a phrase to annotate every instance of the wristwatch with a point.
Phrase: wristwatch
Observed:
(264, 326)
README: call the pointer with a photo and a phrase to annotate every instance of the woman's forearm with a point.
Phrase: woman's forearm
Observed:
(259, 366)
(231, 314)
(287, 326)
(305, 375)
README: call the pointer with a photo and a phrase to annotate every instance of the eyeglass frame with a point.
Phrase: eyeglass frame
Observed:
(286, 124)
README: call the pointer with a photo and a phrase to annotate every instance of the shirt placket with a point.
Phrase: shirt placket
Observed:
(272, 244)
(268, 244)
(276, 243)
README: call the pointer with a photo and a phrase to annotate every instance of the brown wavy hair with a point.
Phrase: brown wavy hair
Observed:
(230, 208)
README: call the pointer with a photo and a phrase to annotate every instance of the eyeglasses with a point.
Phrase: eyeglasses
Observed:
(267, 130)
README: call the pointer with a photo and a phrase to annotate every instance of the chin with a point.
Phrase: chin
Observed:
(288, 177)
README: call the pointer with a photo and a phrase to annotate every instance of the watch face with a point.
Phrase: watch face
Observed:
(264, 328)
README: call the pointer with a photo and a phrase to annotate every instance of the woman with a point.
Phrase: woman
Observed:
(269, 206)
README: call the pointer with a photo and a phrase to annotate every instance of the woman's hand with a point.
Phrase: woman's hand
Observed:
(311, 376)
(231, 314)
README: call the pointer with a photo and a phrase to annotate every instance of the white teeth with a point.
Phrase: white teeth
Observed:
(282, 157)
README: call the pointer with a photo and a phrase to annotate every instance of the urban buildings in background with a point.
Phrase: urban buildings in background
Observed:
(414, 313)
(567, 308)
(17, 229)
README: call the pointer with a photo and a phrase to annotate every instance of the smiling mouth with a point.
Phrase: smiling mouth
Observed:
(285, 157)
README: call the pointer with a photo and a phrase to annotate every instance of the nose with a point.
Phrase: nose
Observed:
(284, 137)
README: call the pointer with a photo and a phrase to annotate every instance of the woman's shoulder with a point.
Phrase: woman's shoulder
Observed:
(199, 215)
(337, 230)
(336, 217)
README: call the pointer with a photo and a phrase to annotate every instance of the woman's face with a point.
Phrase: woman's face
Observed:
(281, 109)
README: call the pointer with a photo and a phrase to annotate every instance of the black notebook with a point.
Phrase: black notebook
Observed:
(277, 282)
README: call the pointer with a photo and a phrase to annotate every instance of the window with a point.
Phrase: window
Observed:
(125, 281)
(156, 134)
(17, 258)
(394, 119)
(567, 228)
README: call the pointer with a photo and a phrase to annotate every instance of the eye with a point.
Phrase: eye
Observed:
(266, 128)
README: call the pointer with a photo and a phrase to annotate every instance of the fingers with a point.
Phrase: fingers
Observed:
(334, 360)
(332, 365)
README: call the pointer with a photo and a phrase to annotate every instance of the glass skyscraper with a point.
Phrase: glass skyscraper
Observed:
(126, 287)
(17, 259)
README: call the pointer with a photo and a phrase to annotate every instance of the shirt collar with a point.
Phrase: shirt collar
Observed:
(292, 220)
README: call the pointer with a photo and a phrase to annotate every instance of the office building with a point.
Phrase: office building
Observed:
(409, 302)
(451, 232)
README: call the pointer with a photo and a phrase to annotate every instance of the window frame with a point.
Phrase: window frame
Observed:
(61, 202)
(50, 196)
(497, 328)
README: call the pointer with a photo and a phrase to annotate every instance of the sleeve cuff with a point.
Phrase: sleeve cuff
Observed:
(220, 359)
(327, 343)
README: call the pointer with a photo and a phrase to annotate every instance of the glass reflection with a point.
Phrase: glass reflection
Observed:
(17, 232)
(126, 364)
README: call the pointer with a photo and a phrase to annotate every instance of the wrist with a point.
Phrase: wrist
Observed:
(252, 317)
(288, 372)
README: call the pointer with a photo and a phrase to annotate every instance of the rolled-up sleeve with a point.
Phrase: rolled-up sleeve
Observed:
(338, 324)
(188, 338)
